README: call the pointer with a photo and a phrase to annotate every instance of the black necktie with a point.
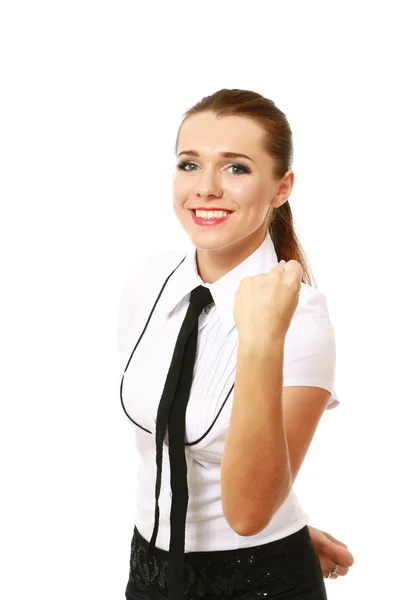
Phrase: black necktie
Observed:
(171, 414)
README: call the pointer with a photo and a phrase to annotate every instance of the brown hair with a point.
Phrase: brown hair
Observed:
(279, 145)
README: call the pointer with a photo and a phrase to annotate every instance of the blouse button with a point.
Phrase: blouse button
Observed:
(207, 310)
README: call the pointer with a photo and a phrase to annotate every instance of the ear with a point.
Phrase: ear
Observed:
(284, 189)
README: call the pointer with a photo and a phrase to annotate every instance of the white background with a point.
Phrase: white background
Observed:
(91, 97)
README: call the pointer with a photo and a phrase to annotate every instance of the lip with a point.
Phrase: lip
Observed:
(209, 222)
(208, 209)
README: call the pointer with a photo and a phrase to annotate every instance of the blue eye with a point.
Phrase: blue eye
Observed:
(241, 169)
(184, 164)
(238, 169)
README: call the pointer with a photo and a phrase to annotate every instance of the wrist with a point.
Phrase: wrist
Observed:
(261, 346)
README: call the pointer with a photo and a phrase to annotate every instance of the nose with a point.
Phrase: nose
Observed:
(208, 184)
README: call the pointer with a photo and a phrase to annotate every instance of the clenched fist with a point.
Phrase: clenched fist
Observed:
(265, 303)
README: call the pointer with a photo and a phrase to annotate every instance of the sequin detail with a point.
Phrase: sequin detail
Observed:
(289, 564)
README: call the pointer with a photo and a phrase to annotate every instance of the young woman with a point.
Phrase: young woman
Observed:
(234, 335)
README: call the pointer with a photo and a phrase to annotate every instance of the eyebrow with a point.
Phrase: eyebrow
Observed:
(223, 154)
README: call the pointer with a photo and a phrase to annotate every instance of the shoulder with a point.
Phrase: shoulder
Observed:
(151, 268)
(143, 280)
(312, 298)
(312, 306)
(311, 322)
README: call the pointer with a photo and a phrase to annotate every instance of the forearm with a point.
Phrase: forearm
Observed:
(256, 473)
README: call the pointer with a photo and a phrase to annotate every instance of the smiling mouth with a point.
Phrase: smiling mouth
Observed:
(210, 221)
(211, 210)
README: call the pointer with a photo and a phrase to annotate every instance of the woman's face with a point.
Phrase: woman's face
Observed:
(222, 165)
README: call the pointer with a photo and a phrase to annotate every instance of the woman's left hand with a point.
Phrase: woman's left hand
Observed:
(330, 552)
(265, 303)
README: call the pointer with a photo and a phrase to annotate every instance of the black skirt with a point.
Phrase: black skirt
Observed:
(288, 568)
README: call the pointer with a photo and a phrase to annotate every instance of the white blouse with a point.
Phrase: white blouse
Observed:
(146, 340)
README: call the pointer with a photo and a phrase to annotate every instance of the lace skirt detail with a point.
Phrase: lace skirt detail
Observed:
(288, 568)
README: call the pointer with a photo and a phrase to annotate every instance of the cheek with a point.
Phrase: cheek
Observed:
(246, 191)
(181, 189)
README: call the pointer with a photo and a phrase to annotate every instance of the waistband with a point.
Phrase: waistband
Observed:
(290, 542)
(281, 566)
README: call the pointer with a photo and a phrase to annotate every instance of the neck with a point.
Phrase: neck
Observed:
(214, 264)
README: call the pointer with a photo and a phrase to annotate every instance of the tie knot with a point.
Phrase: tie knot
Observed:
(201, 297)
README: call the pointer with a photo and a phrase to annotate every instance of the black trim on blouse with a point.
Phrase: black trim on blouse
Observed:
(130, 358)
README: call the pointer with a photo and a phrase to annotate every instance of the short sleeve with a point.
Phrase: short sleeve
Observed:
(310, 349)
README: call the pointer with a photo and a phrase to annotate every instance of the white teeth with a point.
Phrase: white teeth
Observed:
(210, 214)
